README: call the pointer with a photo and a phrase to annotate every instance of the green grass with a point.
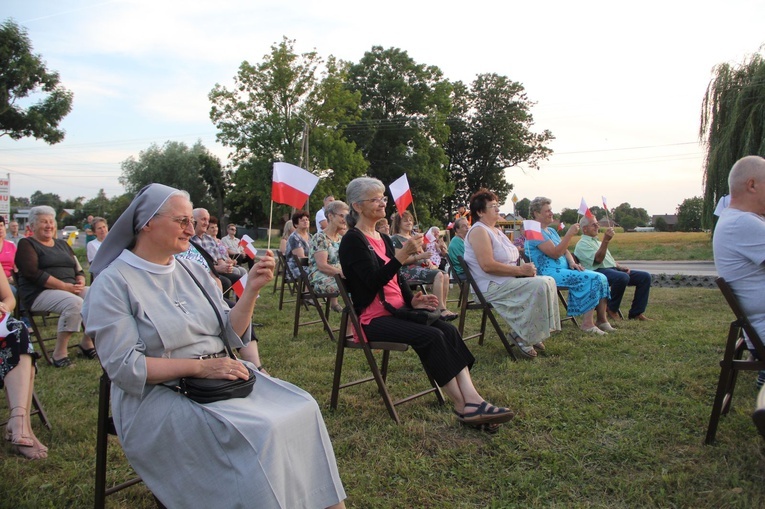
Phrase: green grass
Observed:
(659, 246)
(617, 421)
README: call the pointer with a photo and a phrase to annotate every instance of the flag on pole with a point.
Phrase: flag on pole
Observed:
(450, 225)
(561, 225)
(584, 210)
(605, 205)
(292, 185)
(239, 286)
(249, 249)
(70, 240)
(401, 193)
(532, 230)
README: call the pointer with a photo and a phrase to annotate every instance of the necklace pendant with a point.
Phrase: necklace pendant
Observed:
(180, 304)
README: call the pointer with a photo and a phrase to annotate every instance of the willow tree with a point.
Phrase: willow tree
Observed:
(732, 125)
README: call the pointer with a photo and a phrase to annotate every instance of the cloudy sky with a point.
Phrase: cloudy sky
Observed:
(619, 84)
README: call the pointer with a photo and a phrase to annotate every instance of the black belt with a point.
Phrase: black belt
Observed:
(222, 353)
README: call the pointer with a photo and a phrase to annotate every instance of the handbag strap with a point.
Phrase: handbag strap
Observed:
(222, 334)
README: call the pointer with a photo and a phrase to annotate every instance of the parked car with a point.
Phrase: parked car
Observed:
(68, 230)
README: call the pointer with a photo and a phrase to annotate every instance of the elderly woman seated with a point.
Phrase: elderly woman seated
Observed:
(371, 267)
(51, 279)
(417, 266)
(299, 242)
(323, 261)
(587, 290)
(527, 302)
(157, 319)
(17, 374)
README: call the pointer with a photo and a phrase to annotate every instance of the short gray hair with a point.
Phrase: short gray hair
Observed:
(585, 221)
(356, 191)
(458, 223)
(336, 207)
(40, 210)
(744, 169)
(535, 207)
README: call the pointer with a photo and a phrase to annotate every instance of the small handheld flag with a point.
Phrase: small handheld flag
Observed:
(401, 193)
(532, 230)
(246, 243)
(292, 185)
(238, 287)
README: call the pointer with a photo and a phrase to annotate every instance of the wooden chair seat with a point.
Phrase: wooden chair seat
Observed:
(349, 322)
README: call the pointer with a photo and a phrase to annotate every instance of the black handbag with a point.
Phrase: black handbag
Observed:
(209, 390)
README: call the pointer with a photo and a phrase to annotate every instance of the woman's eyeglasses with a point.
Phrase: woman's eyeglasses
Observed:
(384, 199)
(183, 221)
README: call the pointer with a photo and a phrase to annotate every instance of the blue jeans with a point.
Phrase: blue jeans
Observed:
(619, 281)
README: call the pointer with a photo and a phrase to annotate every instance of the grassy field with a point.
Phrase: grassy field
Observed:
(615, 421)
(659, 246)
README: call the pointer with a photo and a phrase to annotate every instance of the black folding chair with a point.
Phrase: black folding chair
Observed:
(733, 362)
(349, 322)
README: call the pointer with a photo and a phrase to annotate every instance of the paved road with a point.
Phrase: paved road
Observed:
(686, 268)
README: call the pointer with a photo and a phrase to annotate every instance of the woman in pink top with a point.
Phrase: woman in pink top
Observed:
(371, 266)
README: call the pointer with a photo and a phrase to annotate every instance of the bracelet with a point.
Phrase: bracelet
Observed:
(259, 368)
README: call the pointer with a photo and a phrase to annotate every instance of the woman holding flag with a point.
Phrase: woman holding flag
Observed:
(371, 267)
(527, 302)
(587, 290)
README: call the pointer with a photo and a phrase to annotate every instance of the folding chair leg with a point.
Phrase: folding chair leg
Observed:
(39, 411)
(722, 400)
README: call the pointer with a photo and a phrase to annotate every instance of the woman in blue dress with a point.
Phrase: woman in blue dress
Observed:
(587, 290)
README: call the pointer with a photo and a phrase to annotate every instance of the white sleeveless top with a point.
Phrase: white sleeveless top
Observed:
(503, 250)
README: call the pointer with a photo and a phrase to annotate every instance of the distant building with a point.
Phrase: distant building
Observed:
(669, 219)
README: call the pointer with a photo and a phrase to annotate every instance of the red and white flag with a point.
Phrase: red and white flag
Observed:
(532, 230)
(249, 249)
(584, 210)
(401, 193)
(429, 237)
(605, 206)
(292, 185)
(561, 225)
(450, 226)
(239, 285)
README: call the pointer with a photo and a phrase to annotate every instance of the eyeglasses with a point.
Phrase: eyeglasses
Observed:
(182, 221)
(384, 199)
(495, 207)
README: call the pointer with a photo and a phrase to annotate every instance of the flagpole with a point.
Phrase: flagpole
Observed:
(414, 209)
(270, 222)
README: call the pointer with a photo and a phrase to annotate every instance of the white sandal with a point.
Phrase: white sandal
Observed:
(595, 330)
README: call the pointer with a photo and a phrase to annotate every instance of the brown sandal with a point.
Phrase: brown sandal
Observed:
(18, 439)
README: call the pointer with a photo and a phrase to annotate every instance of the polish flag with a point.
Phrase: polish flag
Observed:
(239, 286)
(584, 210)
(561, 225)
(249, 249)
(429, 237)
(532, 230)
(292, 185)
(450, 226)
(402, 195)
(605, 206)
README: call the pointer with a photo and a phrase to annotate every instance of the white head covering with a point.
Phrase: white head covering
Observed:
(144, 206)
